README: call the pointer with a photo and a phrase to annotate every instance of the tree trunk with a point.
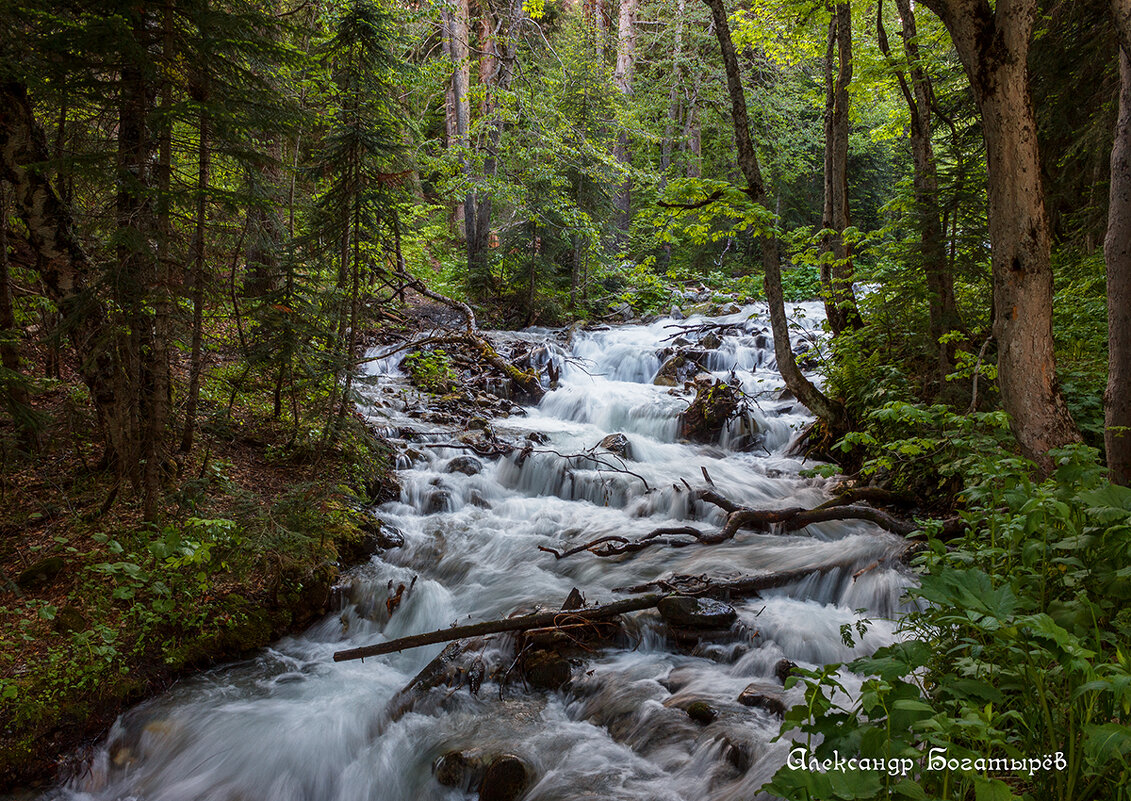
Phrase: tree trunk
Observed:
(993, 45)
(829, 411)
(196, 360)
(457, 27)
(673, 96)
(157, 419)
(63, 266)
(136, 268)
(622, 79)
(496, 69)
(1117, 256)
(943, 309)
(836, 257)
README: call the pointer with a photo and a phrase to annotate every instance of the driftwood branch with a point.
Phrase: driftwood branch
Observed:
(538, 620)
(780, 521)
(745, 586)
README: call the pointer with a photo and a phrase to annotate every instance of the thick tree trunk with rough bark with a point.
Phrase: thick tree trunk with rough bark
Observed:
(993, 45)
(622, 78)
(66, 272)
(832, 413)
(836, 261)
(1117, 255)
(65, 269)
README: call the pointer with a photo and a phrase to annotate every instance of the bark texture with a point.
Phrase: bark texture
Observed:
(993, 45)
(63, 266)
(1117, 256)
(496, 71)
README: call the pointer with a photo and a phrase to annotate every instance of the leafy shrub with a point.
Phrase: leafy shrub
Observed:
(1017, 651)
(431, 370)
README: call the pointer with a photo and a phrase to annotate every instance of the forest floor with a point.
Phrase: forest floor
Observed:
(99, 609)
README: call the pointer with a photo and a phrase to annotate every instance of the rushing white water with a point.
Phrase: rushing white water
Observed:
(293, 725)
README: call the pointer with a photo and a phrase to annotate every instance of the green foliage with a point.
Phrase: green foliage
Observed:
(1017, 650)
(431, 370)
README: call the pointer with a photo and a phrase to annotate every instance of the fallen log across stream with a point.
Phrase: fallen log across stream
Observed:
(780, 521)
(745, 586)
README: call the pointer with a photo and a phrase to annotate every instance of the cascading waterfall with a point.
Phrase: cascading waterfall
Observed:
(292, 725)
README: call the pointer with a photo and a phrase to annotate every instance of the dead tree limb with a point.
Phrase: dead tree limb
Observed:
(780, 521)
(747, 585)
(538, 620)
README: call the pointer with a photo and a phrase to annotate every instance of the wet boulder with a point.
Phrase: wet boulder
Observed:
(438, 501)
(676, 313)
(784, 669)
(547, 669)
(457, 769)
(506, 779)
(617, 444)
(376, 536)
(468, 465)
(685, 611)
(702, 712)
(757, 697)
(710, 341)
(680, 368)
(713, 407)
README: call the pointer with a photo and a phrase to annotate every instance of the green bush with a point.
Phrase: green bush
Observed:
(1017, 651)
(431, 371)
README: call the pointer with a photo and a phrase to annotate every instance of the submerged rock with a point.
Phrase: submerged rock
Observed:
(714, 406)
(784, 669)
(696, 613)
(457, 769)
(547, 670)
(505, 779)
(438, 501)
(468, 465)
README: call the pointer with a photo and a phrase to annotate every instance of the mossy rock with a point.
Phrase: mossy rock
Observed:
(69, 619)
(42, 572)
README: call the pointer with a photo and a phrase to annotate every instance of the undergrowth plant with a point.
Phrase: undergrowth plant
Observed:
(1012, 678)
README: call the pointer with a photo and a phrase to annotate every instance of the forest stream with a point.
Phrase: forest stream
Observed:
(293, 724)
